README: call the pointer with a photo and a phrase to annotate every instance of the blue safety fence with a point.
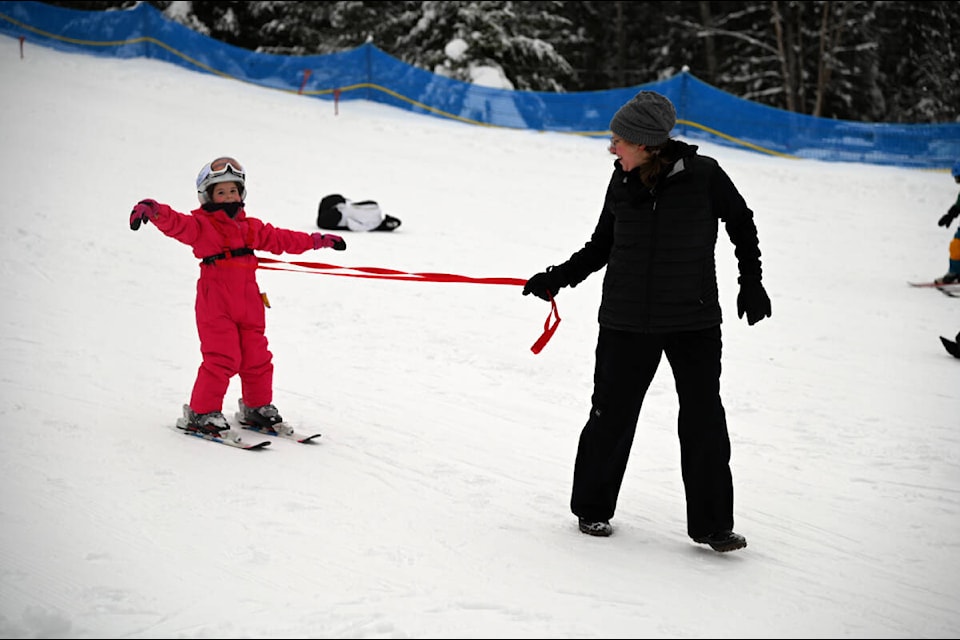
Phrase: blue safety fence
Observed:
(367, 73)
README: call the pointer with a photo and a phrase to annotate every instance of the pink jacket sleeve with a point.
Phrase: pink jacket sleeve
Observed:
(210, 233)
(267, 237)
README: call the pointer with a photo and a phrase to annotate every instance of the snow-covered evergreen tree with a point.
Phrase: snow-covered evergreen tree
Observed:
(875, 61)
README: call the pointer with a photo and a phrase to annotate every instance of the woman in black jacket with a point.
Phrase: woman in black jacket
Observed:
(657, 236)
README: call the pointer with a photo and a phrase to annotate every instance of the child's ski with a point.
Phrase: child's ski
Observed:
(256, 446)
(952, 289)
(285, 431)
(281, 434)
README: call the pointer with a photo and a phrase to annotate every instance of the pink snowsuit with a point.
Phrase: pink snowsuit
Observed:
(229, 305)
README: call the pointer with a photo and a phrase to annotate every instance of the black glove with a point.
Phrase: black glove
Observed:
(752, 300)
(545, 284)
(948, 217)
(144, 211)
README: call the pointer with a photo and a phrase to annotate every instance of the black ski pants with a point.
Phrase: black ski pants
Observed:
(625, 365)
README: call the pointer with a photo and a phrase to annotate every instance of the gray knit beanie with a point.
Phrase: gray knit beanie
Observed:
(647, 119)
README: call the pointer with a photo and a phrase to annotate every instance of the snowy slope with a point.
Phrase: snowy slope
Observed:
(436, 504)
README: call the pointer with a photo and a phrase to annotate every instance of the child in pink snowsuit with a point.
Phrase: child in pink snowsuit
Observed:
(229, 304)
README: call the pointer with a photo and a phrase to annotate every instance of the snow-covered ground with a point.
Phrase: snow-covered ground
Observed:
(436, 503)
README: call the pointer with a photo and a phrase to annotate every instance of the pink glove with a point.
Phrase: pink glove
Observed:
(328, 241)
(144, 211)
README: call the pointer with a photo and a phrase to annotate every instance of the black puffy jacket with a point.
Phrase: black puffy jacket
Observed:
(659, 245)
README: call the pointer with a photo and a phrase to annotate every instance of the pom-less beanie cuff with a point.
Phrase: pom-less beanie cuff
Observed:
(646, 119)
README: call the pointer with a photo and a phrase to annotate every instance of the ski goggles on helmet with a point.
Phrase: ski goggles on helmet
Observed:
(219, 167)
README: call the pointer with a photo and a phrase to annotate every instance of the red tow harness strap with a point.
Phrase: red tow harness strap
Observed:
(392, 274)
(548, 331)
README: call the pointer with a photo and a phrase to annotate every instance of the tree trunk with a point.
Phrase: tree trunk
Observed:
(829, 45)
(709, 46)
(785, 54)
(621, 47)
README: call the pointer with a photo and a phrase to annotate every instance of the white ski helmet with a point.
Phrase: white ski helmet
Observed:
(224, 169)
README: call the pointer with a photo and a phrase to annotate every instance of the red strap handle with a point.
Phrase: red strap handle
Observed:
(548, 331)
